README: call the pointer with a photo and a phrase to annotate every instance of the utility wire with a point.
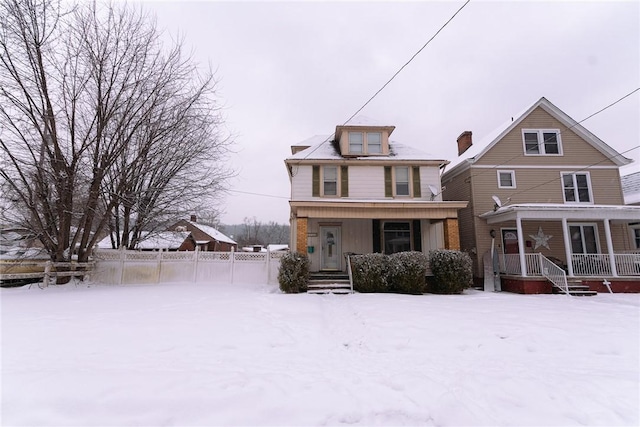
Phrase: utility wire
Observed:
(394, 75)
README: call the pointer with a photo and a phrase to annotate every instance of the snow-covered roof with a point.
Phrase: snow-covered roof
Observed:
(20, 253)
(323, 149)
(561, 210)
(477, 150)
(220, 237)
(277, 247)
(631, 188)
(156, 240)
(367, 121)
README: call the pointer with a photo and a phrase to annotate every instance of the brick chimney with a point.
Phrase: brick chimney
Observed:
(464, 142)
(193, 218)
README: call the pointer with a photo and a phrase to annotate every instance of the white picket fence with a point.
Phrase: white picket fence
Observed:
(115, 266)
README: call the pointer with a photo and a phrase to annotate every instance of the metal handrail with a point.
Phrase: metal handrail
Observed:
(554, 274)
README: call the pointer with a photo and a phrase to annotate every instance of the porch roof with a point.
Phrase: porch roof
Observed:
(548, 211)
(370, 209)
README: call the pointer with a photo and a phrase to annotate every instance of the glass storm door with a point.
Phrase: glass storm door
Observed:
(331, 248)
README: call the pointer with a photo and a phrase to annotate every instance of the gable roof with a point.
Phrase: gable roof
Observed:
(631, 188)
(214, 233)
(477, 150)
(156, 240)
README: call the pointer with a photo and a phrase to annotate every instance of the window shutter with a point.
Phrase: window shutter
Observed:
(375, 224)
(416, 182)
(388, 185)
(344, 181)
(417, 236)
(315, 181)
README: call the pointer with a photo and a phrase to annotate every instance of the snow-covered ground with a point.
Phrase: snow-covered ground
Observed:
(185, 355)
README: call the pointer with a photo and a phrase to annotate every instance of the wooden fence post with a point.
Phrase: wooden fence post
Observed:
(47, 272)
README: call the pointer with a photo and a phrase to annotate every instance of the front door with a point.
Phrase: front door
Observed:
(510, 241)
(331, 248)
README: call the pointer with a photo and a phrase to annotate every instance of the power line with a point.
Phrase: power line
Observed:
(394, 75)
(259, 194)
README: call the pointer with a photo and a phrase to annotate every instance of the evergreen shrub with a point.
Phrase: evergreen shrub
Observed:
(369, 272)
(407, 272)
(293, 275)
(452, 271)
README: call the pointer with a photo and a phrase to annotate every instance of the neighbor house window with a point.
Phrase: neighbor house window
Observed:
(584, 238)
(576, 187)
(355, 142)
(374, 143)
(397, 237)
(402, 180)
(330, 180)
(635, 235)
(541, 142)
(506, 179)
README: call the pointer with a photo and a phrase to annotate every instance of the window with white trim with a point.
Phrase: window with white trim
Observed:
(542, 142)
(584, 238)
(366, 143)
(374, 143)
(635, 235)
(506, 179)
(576, 187)
(330, 180)
(356, 143)
(402, 180)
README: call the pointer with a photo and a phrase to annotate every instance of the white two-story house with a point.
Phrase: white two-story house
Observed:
(356, 191)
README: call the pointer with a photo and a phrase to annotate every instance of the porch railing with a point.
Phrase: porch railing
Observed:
(627, 264)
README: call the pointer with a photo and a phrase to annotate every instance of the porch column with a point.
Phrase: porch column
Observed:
(451, 234)
(523, 263)
(567, 246)
(301, 235)
(612, 257)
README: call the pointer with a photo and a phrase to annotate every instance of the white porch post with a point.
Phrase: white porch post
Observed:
(567, 246)
(523, 264)
(612, 259)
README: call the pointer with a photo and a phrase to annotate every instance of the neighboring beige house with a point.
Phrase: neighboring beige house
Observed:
(549, 191)
(357, 192)
(631, 191)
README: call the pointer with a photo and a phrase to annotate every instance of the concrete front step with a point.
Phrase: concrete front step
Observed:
(576, 291)
(326, 286)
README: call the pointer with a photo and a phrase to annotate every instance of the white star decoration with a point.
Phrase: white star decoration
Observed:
(541, 239)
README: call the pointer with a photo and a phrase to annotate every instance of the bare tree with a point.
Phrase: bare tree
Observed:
(101, 127)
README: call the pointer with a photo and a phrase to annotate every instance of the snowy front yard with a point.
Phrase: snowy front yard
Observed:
(185, 355)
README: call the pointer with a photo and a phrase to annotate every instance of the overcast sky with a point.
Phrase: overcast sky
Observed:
(291, 70)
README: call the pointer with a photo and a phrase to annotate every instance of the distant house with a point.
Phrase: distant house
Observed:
(357, 191)
(205, 237)
(159, 241)
(545, 192)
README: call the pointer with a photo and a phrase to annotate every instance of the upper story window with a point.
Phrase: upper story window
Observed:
(330, 180)
(506, 179)
(402, 180)
(356, 143)
(374, 142)
(365, 143)
(542, 142)
(577, 187)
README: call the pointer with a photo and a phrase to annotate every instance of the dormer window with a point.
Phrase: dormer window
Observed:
(541, 142)
(374, 142)
(356, 142)
(366, 143)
